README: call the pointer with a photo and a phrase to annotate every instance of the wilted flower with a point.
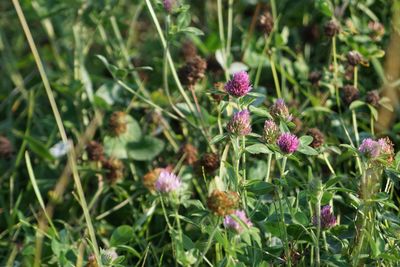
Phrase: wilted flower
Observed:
(232, 223)
(117, 123)
(240, 123)
(373, 98)
(387, 149)
(167, 182)
(350, 94)
(280, 110)
(239, 85)
(288, 143)
(193, 71)
(354, 58)
(332, 28)
(210, 162)
(6, 148)
(271, 131)
(115, 169)
(266, 22)
(314, 77)
(327, 218)
(95, 151)
(318, 137)
(222, 203)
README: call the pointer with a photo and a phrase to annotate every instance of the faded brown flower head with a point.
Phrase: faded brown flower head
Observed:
(193, 71)
(354, 58)
(223, 203)
(209, 162)
(190, 153)
(115, 169)
(318, 137)
(117, 123)
(95, 151)
(373, 98)
(331, 28)
(265, 22)
(314, 77)
(350, 94)
(189, 50)
(6, 148)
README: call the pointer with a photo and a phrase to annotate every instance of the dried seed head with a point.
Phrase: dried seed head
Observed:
(210, 162)
(150, 178)
(373, 98)
(6, 148)
(223, 203)
(190, 153)
(265, 22)
(95, 151)
(117, 123)
(354, 58)
(331, 28)
(192, 71)
(350, 94)
(314, 77)
(115, 170)
(318, 137)
(189, 50)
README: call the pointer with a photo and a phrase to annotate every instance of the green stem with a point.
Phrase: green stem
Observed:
(268, 167)
(335, 72)
(209, 241)
(275, 75)
(318, 217)
(222, 37)
(229, 33)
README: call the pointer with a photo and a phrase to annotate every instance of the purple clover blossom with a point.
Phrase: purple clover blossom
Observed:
(232, 223)
(280, 110)
(327, 218)
(271, 131)
(240, 123)
(370, 148)
(167, 182)
(239, 85)
(288, 143)
(168, 5)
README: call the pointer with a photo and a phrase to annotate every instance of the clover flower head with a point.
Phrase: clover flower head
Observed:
(239, 85)
(327, 218)
(288, 143)
(231, 223)
(370, 148)
(279, 110)
(240, 123)
(271, 131)
(167, 182)
(168, 5)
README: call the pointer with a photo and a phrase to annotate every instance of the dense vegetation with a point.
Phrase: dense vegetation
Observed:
(199, 133)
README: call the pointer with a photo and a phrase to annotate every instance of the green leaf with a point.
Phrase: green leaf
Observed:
(325, 7)
(306, 150)
(146, 149)
(192, 30)
(259, 187)
(258, 148)
(121, 235)
(305, 140)
(38, 148)
(356, 104)
(260, 112)
(217, 138)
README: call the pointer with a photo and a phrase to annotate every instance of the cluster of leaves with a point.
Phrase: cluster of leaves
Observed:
(105, 58)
